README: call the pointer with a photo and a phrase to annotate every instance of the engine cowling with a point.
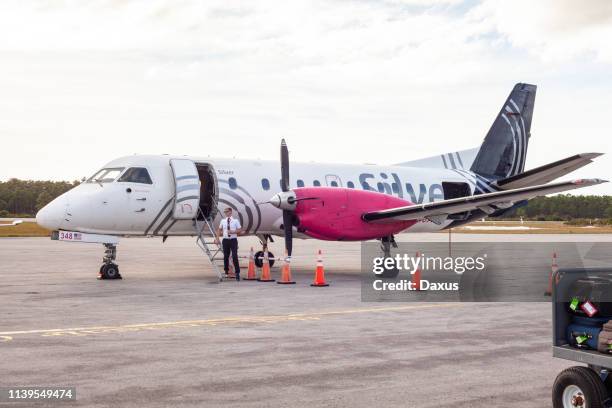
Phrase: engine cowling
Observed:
(334, 213)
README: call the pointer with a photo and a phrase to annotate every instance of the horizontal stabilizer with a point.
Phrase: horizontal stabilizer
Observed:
(548, 172)
(484, 202)
(462, 159)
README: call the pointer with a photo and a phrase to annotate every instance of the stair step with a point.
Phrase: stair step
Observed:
(205, 232)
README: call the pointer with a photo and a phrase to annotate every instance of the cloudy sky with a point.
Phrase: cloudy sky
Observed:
(85, 81)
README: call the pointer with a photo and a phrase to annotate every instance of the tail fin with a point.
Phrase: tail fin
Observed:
(504, 150)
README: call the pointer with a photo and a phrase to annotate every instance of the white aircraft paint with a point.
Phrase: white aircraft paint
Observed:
(147, 209)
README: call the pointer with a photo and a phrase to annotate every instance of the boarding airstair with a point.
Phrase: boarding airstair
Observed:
(187, 207)
(205, 232)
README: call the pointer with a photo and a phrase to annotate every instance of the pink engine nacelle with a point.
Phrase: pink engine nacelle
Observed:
(334, 213)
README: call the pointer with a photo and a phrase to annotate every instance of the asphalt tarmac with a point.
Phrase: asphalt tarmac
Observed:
(169, 334)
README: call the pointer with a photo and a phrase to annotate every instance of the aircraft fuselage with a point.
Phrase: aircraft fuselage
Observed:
(131, 208)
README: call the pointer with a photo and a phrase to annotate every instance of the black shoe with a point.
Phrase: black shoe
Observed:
(237, 277)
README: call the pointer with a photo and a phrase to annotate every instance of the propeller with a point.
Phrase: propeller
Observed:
(286, 200)
(287, 214)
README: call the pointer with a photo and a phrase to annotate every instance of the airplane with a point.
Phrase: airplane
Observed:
(12, 224)
(166, 196)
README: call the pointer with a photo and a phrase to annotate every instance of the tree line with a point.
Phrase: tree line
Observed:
(23, 198)
(565, 207)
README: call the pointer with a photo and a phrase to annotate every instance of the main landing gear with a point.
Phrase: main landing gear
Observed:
(385, 246)
(259, 255)
(109, 269)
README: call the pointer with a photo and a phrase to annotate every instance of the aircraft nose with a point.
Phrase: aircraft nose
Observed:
(52, 214)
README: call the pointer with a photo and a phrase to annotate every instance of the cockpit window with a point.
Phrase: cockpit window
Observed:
(136, 175)
(106, 175)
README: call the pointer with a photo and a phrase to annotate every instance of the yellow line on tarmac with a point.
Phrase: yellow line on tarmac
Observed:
(85, 331)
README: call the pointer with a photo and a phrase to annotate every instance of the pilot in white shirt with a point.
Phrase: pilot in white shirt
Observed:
(230, 228)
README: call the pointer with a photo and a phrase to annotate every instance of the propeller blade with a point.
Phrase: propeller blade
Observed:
(284, 153)
(287, 214)
(288, 227)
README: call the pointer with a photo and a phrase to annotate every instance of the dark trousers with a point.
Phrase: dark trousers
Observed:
(230, 245)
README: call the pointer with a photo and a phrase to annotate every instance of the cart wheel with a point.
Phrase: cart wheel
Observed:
(608, 385)
(578, 387)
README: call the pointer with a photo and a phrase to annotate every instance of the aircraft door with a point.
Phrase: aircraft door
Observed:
(187, 189)
(333, 181)
(456, 190)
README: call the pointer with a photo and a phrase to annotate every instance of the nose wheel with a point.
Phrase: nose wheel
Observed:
(259, 255)
(259, 258)
(109, 269)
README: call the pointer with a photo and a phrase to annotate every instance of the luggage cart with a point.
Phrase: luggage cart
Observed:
(578, 386)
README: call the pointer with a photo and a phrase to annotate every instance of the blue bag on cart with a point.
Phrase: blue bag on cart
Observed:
(590, 321)
(583, 336)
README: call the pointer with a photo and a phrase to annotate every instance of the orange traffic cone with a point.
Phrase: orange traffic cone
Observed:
(286, 272)
(265, 269)
(319, 279)
(553, 269)
(251, 272)
(416, 276)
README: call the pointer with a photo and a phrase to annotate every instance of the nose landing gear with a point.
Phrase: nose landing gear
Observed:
(109, 269)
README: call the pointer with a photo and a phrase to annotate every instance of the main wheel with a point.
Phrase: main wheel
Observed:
(259, 259)
(578, 387)
(110, 271)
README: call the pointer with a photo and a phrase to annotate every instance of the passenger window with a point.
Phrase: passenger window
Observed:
(265, 184)
(316, 183)
(365, 185)
(381, 187)
(232, 183)
(334, 184)
(350, 184)
(395, 188)
(300, 183)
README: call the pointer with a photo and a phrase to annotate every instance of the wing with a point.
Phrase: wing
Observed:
(488, 203)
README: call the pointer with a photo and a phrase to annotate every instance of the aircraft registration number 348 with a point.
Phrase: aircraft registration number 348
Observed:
(69, 236)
